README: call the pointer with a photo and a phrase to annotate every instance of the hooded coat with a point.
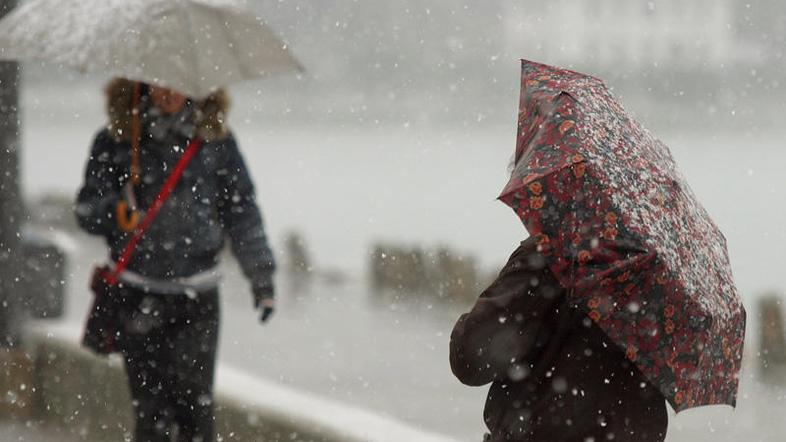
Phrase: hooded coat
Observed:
(554, 374)
(214, 199)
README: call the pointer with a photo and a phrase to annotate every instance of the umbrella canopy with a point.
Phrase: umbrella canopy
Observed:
(624, 233)
(193, 46)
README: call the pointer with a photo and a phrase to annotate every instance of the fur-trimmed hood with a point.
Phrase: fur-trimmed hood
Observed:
(210, 112)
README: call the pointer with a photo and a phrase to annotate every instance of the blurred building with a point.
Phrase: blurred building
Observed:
(604, 35)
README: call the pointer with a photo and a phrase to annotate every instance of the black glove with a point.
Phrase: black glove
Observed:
(265, 302)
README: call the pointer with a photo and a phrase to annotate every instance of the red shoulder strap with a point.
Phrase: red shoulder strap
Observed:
(163, 195)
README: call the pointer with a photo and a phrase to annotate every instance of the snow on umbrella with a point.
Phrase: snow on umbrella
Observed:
(193, 46)
(625, 235)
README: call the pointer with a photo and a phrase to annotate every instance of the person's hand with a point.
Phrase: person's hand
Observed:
(266, 305)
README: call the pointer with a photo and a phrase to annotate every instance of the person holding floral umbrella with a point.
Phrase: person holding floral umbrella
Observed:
(622, 298)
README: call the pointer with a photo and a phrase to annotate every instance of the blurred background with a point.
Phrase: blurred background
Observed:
(377, 171)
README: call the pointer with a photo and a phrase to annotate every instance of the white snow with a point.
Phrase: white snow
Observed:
(428, 185)
(273, 399)
(352, 423)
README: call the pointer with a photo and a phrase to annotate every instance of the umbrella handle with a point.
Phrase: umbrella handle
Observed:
(127, 219)
(135, 133)
(130, 198)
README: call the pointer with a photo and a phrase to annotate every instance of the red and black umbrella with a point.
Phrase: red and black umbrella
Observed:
(625, 235)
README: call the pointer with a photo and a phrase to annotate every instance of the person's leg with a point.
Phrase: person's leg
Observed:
(144, 350)
(194, 343)
(147, 384)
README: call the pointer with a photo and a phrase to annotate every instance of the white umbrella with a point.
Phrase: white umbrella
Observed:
(193, 46)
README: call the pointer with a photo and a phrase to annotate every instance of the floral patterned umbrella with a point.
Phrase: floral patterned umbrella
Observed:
(625, 235)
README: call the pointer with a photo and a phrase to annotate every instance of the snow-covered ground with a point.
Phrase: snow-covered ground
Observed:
(344, 187)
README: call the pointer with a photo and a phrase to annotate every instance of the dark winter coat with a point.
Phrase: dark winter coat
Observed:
(554, 374)
(214, 199)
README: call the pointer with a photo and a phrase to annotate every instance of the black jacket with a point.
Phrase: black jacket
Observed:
(215, 198)
(555, 376)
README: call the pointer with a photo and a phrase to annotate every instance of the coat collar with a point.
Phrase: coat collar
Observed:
(209, 112)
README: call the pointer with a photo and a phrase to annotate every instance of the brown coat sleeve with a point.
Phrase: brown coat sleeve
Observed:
(510, 323)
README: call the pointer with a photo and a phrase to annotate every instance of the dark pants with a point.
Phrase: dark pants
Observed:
(170, 351)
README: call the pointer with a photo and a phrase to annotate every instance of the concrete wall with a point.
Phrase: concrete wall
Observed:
(85, 396)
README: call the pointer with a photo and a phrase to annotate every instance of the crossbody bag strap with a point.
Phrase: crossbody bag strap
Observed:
(163, 195)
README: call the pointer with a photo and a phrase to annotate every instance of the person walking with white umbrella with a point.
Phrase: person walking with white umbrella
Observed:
(165, 184)
(162, 315)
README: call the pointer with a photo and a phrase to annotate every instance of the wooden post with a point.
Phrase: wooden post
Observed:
(298, 260)
(772, 340)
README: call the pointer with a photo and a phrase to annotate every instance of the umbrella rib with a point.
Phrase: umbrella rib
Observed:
(234, 47)
(194, 51)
